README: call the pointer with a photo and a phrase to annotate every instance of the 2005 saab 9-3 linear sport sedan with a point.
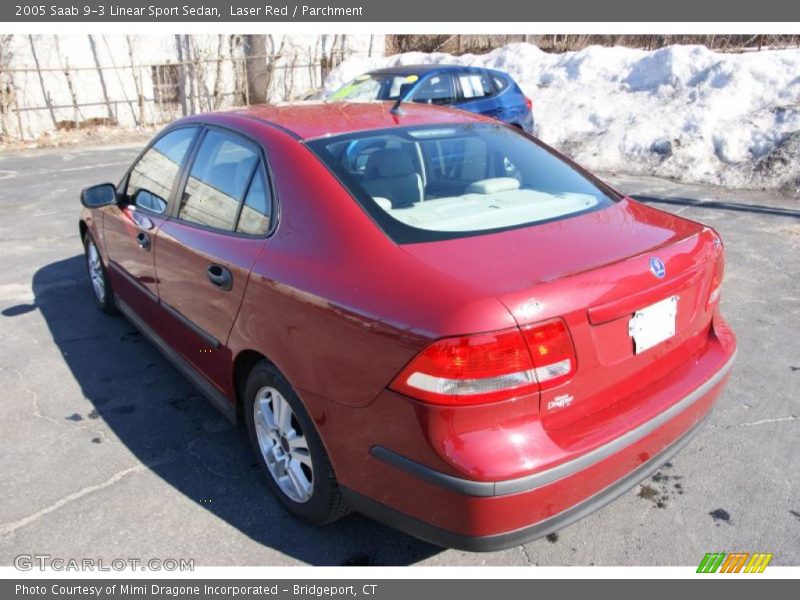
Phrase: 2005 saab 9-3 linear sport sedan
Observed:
(420, 314)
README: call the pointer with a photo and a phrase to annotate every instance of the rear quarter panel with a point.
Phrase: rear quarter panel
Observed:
(336, 305)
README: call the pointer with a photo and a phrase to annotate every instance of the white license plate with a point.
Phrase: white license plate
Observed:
(653, 324)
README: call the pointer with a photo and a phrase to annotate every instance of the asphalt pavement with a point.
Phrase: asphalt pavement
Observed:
(107, 452)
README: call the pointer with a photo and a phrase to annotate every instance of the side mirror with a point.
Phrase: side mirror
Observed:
(99, 195)
(146, 199)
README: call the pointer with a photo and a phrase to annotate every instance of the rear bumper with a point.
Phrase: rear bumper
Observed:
(489, 543)
(566, 469)
(528, 123)
(484, 514)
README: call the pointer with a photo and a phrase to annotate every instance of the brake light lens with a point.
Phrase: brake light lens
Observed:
(552, 352)
(529, 103)
(716, 281)
(489, 367)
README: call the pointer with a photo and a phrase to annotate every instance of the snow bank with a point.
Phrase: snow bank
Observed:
(683, 112)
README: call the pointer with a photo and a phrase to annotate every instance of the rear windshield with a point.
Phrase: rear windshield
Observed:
(431, 183)
(375, 86)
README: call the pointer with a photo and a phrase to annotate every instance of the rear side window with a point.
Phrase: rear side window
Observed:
(501, 83)
(475, 85)
(217, 182)
(151, 179)
(257, 208)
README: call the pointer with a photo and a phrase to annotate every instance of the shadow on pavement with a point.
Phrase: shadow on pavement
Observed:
(170, 428)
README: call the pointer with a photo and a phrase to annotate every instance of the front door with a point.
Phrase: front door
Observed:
(130, 227)
(206, 252)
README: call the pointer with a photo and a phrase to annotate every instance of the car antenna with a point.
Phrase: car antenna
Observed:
(396, 108)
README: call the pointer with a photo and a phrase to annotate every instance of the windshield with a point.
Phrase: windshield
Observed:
(429, 183)
(375, 86)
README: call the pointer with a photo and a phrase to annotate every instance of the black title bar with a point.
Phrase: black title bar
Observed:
(449, 11)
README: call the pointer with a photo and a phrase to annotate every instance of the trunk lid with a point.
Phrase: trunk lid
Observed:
(594, 270)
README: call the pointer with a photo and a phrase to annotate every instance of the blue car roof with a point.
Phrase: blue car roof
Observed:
(425, 69)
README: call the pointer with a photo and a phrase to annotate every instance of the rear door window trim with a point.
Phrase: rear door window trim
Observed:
(262, 162)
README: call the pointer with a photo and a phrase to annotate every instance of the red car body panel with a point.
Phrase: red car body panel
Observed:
(313, 120)
(340, 309)
(132, 271)
(183, 252)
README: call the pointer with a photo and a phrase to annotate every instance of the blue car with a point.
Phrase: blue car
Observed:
(483, 91)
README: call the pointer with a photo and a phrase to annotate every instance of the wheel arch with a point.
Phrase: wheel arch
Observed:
(243, 363)
(82, 228)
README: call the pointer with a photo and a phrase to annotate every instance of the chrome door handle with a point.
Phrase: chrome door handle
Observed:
(220, 276)
(143, 240)
(143, 221)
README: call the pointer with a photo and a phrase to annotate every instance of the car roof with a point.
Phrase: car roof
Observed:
(423, 69)
(307, 120)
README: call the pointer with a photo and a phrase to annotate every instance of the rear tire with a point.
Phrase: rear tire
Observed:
(289, 449)
(98, 277)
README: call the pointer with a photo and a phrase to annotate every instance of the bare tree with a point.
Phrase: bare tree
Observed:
(200, 60)
(460, 44)
(47, 100)
(103, 86)
(273, 58)
(181, 76)
(217, 93)
(137, 80)
(122, 85)
(236, 49)
(77, 115)
(255, 49)
(7, 88)
(191, 74)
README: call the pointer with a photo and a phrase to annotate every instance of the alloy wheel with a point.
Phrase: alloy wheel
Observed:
(96, 272)
(283, 444)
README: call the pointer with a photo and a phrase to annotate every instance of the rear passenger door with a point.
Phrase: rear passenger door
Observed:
(204, 254)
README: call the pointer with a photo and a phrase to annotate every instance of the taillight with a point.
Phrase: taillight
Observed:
(529, 103)
(489, 367)
(552, 351)
(470, 369)
(716, 281)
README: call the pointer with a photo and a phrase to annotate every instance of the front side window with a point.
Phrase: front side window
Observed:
(428, 183)
(217, 182)
(436, 89)
(375, 86)
(151, 179)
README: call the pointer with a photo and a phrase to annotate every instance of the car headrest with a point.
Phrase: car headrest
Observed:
(493, 185)
(403, 90)
(389, 162)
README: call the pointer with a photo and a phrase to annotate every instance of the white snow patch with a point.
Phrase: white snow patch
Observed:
(683, 112)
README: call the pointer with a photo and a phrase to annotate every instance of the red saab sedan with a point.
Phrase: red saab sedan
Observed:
(420, 314)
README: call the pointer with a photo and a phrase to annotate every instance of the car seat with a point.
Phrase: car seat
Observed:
(389, 173)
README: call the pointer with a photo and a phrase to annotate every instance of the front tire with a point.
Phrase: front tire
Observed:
(289, 449)
(98, 277)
